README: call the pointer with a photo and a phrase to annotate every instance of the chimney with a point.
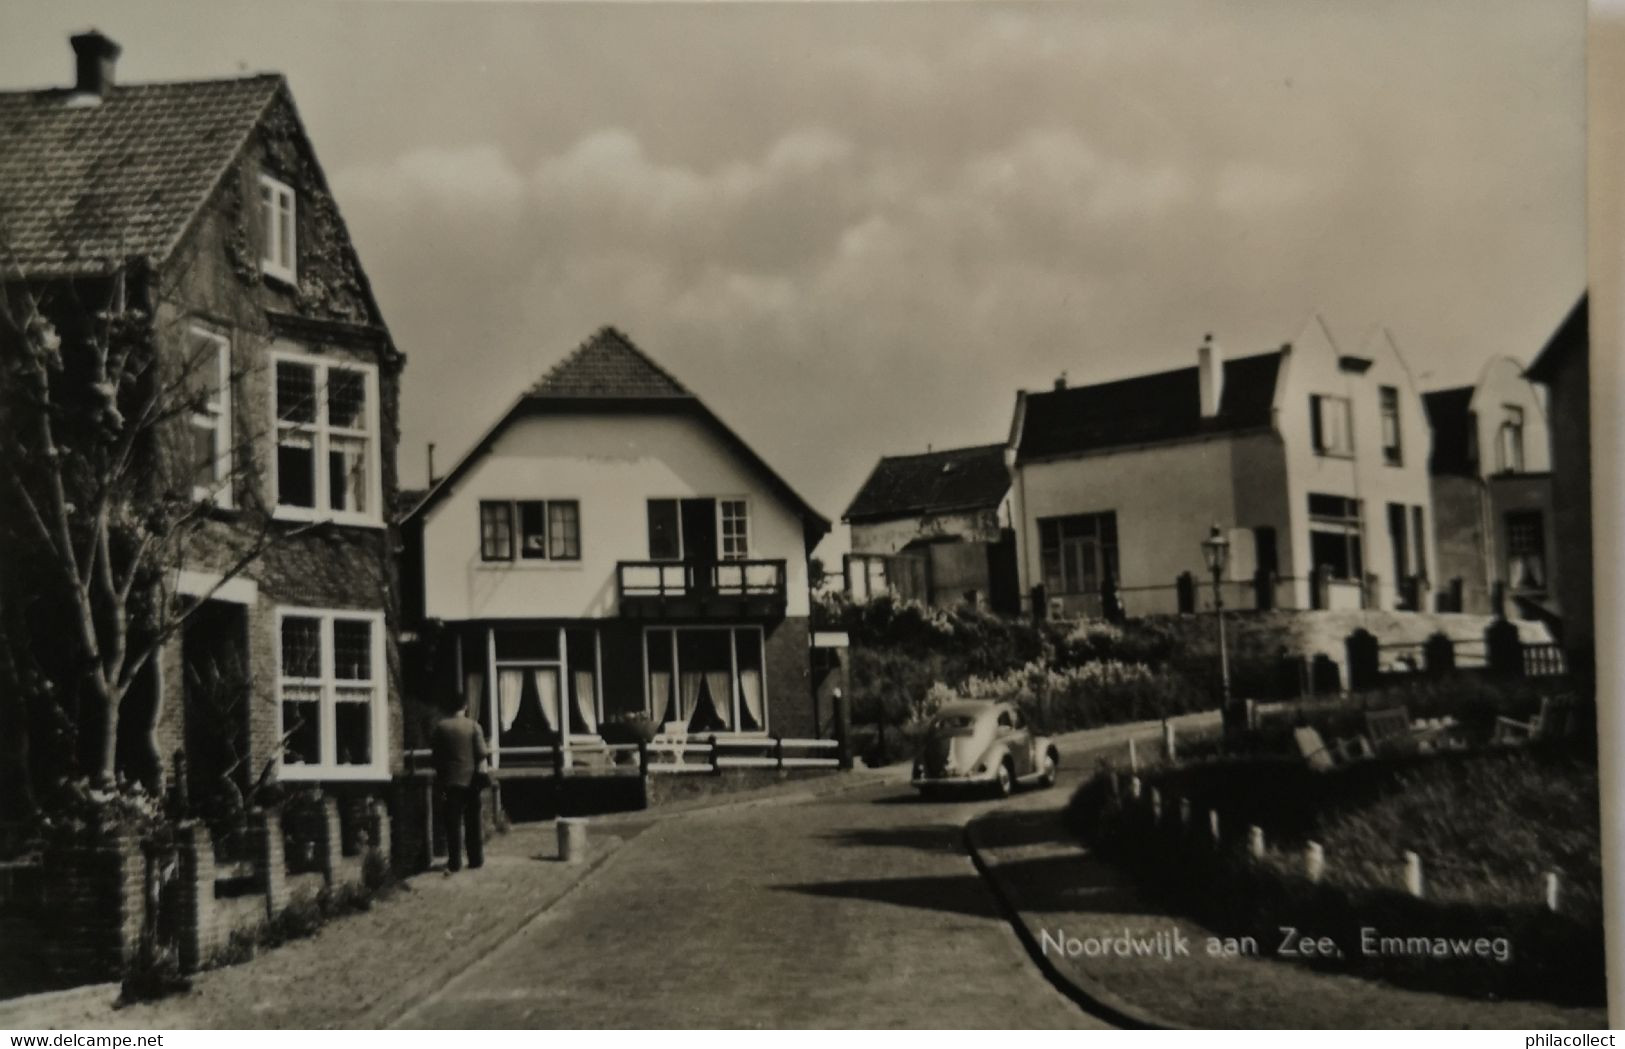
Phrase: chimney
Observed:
(96, 55)
(1210, 376)
(1060, 381)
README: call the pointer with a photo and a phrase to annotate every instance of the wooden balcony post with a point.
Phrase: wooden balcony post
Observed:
(778, 750)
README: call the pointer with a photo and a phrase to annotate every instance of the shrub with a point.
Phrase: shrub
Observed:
(1102, 692)
(629, 728)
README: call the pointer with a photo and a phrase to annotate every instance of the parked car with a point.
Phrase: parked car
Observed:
(983, 744)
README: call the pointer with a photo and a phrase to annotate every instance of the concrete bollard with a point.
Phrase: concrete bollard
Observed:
(1314, 861)
(1413, 874)
(1552, 890)
(572, 840)
(1156, 806)
(1133, 756)
(1134, 787)
(1170, 748)
(1255, 842)
(1213, 825)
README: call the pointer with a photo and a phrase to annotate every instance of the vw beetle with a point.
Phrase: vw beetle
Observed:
(975, 743)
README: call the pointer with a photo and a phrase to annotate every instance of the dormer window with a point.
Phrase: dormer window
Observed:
(277, 209)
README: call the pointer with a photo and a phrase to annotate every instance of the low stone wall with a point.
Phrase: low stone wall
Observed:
(668, 789)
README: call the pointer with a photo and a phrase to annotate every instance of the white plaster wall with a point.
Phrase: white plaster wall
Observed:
(612, 464)
(1311, 367)
(1502, 384)
(1166, 497)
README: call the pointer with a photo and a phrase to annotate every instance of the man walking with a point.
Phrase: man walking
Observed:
(459, 759)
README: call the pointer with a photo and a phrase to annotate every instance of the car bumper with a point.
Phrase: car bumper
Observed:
(967, 780)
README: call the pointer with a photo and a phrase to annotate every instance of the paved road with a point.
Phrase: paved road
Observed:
(859, 909)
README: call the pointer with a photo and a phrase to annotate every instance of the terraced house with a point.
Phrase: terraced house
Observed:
(1312, 458)
(609, 549)
(199, 209)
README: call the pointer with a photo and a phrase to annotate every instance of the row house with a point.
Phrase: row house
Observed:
(610, 549)
(1312, 458)
(1492, 495)
(935, 528)
(203, 203)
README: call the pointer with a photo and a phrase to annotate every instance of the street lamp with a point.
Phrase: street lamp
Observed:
(1216, 551)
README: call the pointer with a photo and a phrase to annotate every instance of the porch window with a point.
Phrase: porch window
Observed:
(330, 687)
(546, 684)
(1078, 552)
(708, 679)
(1331, 423)
(209, 380)
(1526, 550)
(1335, 536)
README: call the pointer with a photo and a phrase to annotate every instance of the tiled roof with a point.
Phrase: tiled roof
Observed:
(1147, 409)
(1452, 426)
(83, 183)
(932, 482)
(608, 365)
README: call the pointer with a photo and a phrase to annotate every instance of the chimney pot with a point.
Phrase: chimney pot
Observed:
(95, 55)
(1060, 381)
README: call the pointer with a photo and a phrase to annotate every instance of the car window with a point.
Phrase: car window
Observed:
(1004, 719)
(955, 721)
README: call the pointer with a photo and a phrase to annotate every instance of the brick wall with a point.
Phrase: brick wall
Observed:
(93, 902)
(789, 681)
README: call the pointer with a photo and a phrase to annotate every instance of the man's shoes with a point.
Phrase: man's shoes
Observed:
(449, 871)
(476, 866)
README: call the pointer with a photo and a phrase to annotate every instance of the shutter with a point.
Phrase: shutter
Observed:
(1315, 424)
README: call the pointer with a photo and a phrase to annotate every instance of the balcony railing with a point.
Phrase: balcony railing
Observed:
(690, 588)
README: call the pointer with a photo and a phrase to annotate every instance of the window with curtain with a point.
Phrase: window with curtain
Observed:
(710, 679)
(331, 691)
(1331, 425)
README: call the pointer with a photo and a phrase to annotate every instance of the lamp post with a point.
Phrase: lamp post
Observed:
(1216, 551)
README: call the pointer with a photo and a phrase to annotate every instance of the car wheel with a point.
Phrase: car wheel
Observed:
(1046, 777)
(1004, 781)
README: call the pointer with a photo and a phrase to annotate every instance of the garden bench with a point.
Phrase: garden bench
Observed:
(1556, 718)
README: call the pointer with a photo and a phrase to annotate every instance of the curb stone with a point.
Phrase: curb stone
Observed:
(1089, 995)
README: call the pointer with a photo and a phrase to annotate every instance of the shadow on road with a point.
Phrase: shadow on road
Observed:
(955, 894)
(939, 838)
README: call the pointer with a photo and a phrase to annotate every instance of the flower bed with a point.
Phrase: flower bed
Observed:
(1485, 827)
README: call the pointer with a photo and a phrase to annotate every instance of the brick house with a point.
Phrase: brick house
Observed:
(204, 203)
(1492, 495)
(1311, 457)
(611, 548)
(935, 528)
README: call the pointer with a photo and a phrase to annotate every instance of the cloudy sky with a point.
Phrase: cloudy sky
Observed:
(859, 228)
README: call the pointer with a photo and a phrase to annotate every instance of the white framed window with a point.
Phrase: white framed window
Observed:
(208, 379)
(733, 529)
(332, 717)
(326, 462)
(278, 210)
(1510, 456)
(1331, 421)
(530, 530)
(706, 678)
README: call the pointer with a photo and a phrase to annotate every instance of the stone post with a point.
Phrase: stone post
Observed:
(331, 847)
(200, 927)
(1255, 842)
(1413, 874)
(1314, 861)
(270, 862)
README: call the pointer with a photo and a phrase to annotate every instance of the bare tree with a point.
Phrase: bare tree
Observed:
(98, 468)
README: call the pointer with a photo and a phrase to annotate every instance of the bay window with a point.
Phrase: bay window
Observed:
(331, 706)
(327, 440)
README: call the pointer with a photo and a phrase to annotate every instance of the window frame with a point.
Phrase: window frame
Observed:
(1105, 554)
(1349, 527)
(1511, 522)
(1319, 429)
(322, 432)
(1388, 406)
(276, 199)
(516, 554)
(743, 553)
(738, 700)
(328, 768)
(1509, 438)
(218, 418)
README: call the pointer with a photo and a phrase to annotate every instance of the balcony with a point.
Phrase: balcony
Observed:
(701, 590)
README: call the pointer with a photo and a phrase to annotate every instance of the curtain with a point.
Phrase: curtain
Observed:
(750, 691)
(547, 690)
(660, 695)
(722, 698)
(474, 693)
(510, 687)
(586, 708)
(689, 697)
